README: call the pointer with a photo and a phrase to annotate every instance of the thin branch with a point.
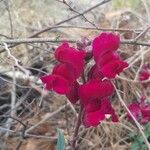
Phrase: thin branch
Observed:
(16, 61)
(61, 22)
(92, 28)
(132, 81)
(132, 42)
(35, 40)
(71, 18)
(54, 40)
(142, 34)
(100, 28)
(72, 9)
(14, 118)
(13, 102)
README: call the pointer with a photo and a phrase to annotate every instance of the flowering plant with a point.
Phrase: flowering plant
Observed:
(93, 94)
(140, 110)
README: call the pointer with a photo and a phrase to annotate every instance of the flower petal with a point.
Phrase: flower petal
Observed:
(93, 118)
(70, 55)
(105, 42)
(111, 69)
(94, 89)
(135, 110)
(93, 105)
(66, 71)
(108, 109)
(56, 83)
(106, 58)
(145, 113)
(48, 81)
(144, 75)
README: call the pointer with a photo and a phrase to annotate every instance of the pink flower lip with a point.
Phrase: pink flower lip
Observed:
(111, 69)
(56, 83)
(94, 117)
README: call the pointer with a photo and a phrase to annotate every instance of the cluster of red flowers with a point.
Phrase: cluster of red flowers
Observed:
(94, 94)
(140, 110)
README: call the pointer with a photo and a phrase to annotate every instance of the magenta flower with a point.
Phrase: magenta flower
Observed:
(105, 42)
(95, 103)
(145, 111)
(94, 117)
(135, 109)
(71, 56)
(107, 60)
(140, 110)
(64, 75)
(63, 81)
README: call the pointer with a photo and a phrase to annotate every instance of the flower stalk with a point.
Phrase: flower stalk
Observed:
(76, 131)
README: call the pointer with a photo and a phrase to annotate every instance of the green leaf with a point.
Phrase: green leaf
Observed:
(135, 146)
(147, 128)
(61, 140)
(132, 135)
(140, 139)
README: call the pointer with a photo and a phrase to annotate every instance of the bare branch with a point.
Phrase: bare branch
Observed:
(54, 40)
(61, 22)
(16, 61)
